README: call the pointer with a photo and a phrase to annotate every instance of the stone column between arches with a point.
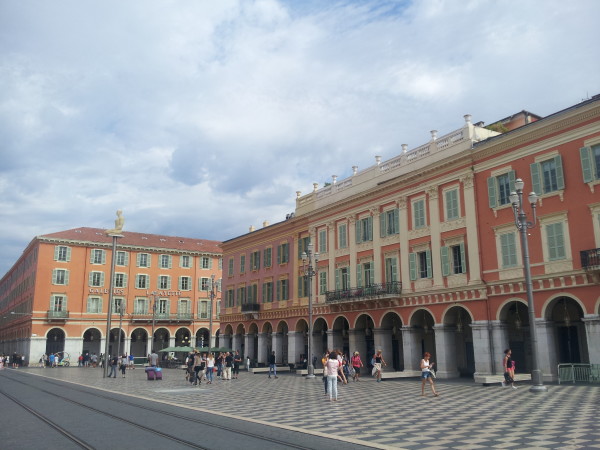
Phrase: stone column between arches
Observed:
(295, 346)
(357, 344)
(278, 347)
(382, 338)
(484, 354)
(592, 333)
(237, 342)
(547, 349)
(262, 348)
(445, 352)
(411, 349)
(249, 346)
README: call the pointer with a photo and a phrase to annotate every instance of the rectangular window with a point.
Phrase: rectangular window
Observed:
(62, 253)
(267, 292)
(255, 260)
(94, 305)
(303, 286)
(556, 241)
(420, 265)
(58, 303)
(60, 276)
(453, 259)
(122, 258)
(252, 294)
(184, 308)
(117, 304)
(96, 279)
(283, 253)
(185, 261)
(142, 281)
(143, 260)
(98, 256)
(230, 298)
(267, 256)
(185, 283)
(322, 241)
(230, 268)
(164, 282)
(389, 223)
(508, 250)
(391, 269)
(162, 306)
(165, 261)
(120, 280)
(364, 230)
(343, 236)
(282, 289)
(451, 203)
(365, 274)
(242, 263)
(241, 296)
(322, 283)
(203, 309)
(303, 245)
(499, 189)
(547, 176)
(342, 278)
(204, 284)
(418, 210)
(590, 163)
(206, 262)
(140, 306)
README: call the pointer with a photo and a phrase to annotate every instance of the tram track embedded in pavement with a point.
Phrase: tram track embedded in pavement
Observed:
(193, 420)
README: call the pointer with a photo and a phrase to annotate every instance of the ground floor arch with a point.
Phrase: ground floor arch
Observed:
(92, 339)
(55, 341)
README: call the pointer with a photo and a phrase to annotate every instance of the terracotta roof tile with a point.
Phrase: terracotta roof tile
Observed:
(96, 235)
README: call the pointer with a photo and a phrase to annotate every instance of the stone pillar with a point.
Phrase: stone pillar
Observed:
(382, 338)
(318, 349)
(547, 350)
(333, 339)
(499, 344)
(294, 347)
(36, 349)
(379, 273)
(249, 346)
(592, 333)
(171, 340)
(357, 343)
(470, 214)
(404, 253)
(482, 348)
(278, 347)
(227, 341)
(411, 348)
(445, 350)
(237, 342)
(262, 348)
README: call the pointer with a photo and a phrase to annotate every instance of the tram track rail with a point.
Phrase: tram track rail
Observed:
(168, 436)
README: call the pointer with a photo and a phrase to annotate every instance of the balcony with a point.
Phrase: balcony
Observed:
(57, 316)
(162, 317)
(249, 308)
(590, 259)
(391, 289)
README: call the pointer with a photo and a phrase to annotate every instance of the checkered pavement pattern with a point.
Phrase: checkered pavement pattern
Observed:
(391, 414)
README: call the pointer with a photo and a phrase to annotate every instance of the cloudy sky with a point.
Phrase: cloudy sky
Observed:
(201, 118)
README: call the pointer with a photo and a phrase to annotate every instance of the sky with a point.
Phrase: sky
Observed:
(201, 118)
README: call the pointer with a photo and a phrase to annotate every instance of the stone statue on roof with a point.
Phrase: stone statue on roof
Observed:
(119, 222)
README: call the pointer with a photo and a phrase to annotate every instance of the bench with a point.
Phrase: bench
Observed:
(285, 368)
(497, 379)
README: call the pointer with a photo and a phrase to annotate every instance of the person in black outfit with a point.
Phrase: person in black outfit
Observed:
(237, 360)
(272, 366)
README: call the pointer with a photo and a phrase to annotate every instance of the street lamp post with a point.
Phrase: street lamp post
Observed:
(116, 235)
(210, 321)
(153, 296)
(309, 262)
(516, 198)
(120, 327)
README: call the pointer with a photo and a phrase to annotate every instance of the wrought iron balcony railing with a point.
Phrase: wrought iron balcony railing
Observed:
(389, 288)
(58, 315)
(250, 307)
(590, 259)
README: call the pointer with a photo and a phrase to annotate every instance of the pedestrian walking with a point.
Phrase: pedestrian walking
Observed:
(426, 367)
(228, 366)
(153, 359)
(332, 367)
(237, 360)
(509, 369)
(356, 365)
(131, 362)
(210, 367)
(220, 361)
(248, 363)
(43, 361)
(324, 360)
(113, 366)
(272, 365)
(123, 364)
(378, 363)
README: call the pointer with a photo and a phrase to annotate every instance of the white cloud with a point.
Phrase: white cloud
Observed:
(203, 118)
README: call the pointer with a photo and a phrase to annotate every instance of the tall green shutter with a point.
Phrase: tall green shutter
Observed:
(382, 228)
(560, 178)
(428, 258)
(536, 179)
(445, 261)
(585, 153)
(412, 259)
(463, 258)
(491, 181)
(359, 277)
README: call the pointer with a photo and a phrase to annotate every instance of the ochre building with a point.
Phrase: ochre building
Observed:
(56, 296)
(421, 253)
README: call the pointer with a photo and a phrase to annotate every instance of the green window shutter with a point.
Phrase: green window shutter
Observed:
(396, 221)
(210, 263)
(370, 229)
(90, 278)
(102, 280)
(92, 257)
(463, 258)
(445, 261)
(89, 305)
(511, 180)
(54, 276)
(560, 177)
(556, 242)
(68, 253)
(536, 179)
(137, 259)
(278, 289)
(382, 227)
(169, 282)
(394, 269)
(126, 259)
(338, 283)
(103, 256)
(585, 154)
(412, 260)
(56, 252)
(66, 277)
(125, 280)
(491, 181)
(357, 224)
(428, 258)
(170, 261)
(359, 280)
(372, 275)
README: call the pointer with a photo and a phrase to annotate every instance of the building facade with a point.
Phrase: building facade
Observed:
(421, 253)
(56, 296)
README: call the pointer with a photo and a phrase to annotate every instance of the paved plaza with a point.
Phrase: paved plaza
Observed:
(391, 414)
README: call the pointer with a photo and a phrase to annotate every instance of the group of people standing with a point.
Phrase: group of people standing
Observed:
(13, 361)
(123, 362)
(202, 366)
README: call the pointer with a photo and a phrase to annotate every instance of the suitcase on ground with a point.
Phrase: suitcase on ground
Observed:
(158, 373)
(151, 373)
